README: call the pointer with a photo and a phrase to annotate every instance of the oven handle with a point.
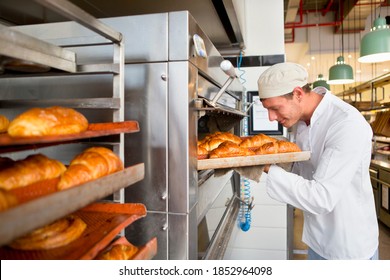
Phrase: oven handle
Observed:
(228, 68)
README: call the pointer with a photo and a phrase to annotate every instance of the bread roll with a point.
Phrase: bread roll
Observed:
(7, 200)
(230, 149)
(54, 120)
(118, 252)
(89, 165)
(257, 141)
(57, 234)
(4, 123)
(30, 170)
(278, 147)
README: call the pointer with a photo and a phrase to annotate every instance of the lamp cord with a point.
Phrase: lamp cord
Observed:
(342, 29)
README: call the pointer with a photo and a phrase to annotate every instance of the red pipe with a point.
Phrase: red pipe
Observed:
(323, 11)
(333, 23)
(327, 9)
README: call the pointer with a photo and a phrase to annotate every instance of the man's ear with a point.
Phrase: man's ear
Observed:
(298, 92)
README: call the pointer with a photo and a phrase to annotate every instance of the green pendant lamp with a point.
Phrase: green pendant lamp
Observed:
(375, 45)
(341, 73)
(321, 82)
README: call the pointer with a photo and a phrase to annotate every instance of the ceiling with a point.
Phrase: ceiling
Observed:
(307, 22)
(224, 30)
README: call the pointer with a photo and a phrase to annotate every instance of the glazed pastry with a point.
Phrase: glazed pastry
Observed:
(4, 123)
(229, 149)
(30, 170)
(57, 234)
(278, 147)
(7, 200)
(118, 252)
(89, 165)
(257, 141)
(54, 120)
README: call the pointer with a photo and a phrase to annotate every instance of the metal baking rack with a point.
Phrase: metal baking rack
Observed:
(14, 44)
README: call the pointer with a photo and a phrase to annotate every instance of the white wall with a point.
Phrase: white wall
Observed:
(262, 25)
(263, 31)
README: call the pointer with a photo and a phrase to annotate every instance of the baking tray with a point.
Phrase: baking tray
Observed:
(10, 144)
(242, 161)
(104, 222)
(145, 252)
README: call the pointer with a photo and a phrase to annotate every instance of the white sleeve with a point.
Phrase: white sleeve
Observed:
(342, 158)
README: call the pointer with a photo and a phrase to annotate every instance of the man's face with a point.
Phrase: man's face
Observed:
(283, 109)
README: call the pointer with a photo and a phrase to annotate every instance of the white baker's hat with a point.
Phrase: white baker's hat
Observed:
(281, 79)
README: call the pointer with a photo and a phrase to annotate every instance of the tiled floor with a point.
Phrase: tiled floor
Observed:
(300, 248)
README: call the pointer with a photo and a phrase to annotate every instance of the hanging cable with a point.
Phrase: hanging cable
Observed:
(242, 72)
(244, 216)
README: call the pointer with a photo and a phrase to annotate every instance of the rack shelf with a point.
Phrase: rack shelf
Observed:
(38, 212)
(18, 45)
(372, 84)
(104, 221)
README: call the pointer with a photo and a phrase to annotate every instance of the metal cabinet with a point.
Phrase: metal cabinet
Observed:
(384, 196)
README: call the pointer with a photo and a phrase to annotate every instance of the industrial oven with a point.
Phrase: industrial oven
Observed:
(175, 88)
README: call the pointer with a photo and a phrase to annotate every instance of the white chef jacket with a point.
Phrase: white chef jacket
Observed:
(334, 188)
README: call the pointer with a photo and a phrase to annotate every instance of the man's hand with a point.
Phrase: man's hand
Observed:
(266, 168)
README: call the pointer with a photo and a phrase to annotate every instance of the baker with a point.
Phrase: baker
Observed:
(333, 188)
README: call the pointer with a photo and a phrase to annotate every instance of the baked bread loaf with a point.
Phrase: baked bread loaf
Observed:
(278, 147)
(257, 141)
(57, 234)
(230, 149)
(50, 121)
(32, 169)
(4, 123)
(7, 200)
(118, 252)
(89, 165)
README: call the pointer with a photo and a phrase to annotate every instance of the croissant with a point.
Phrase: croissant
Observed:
(230, 149)
(257, 141)
(57, 234)
(212, 144)
(5, 162)
(54, 120)
(118, 252)
(227, 136)
(4, 123)
(89, 165)
(7, 200)
(278, 147)
(202, 153)
(30, 170)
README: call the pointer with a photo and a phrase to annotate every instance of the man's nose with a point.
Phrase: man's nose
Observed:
(272, 115)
